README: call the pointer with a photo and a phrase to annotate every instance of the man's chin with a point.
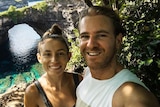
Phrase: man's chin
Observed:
(91, 64)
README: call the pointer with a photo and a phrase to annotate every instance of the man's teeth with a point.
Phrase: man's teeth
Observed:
(93, 53)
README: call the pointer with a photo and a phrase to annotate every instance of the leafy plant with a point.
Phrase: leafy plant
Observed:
(76, 59)
(14, 14)
(42, 6)
(142, 42)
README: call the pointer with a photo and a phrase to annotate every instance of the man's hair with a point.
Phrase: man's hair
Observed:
(106, 11)
(55, 32)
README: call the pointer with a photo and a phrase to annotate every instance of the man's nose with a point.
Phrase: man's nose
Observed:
(92, 42)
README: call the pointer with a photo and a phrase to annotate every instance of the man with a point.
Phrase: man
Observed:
(106, 82)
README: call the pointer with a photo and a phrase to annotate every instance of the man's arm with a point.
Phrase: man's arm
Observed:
(134, 95)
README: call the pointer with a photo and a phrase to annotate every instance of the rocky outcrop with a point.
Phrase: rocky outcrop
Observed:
(13, 97)
(64, 14)
(4, 4)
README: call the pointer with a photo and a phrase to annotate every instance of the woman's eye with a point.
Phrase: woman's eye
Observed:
(46, 54)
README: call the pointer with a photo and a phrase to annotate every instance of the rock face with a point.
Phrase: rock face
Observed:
(64, 14)
(13, 97)
(4, 4)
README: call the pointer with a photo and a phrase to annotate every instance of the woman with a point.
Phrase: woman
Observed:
(55, 88)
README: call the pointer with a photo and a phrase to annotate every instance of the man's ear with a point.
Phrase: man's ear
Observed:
(119, 38)
(39, 57)
(69, 55)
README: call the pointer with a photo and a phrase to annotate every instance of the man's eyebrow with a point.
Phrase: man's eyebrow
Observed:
(61, 50)
(102, 31)
(83, 33)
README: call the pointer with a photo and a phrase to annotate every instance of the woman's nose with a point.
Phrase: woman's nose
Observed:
(53, 58)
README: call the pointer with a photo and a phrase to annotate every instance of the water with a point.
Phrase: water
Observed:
(33, 2)
(4, 4)
(18, 62)
(22, 42)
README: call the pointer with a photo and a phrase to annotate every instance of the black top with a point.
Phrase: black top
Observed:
(43, 95)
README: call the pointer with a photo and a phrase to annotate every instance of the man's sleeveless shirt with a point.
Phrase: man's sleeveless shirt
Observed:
(99, 93)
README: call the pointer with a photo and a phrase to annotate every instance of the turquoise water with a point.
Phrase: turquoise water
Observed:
(25, 77)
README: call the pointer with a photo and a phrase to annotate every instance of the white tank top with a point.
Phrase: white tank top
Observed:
(99, 93)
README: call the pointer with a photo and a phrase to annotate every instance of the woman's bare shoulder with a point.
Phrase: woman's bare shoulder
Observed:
(31, 96)
(31, 90)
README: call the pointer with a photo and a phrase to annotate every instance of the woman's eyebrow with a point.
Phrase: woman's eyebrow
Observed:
(47, 51)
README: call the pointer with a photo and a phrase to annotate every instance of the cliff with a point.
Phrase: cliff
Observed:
(62, 13)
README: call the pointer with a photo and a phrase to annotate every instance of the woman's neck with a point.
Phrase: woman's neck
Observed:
(56, 82)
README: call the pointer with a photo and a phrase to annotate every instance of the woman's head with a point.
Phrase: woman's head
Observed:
(55, 32)
(53, 50)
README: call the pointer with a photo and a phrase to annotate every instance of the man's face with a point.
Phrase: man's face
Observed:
(98, 43)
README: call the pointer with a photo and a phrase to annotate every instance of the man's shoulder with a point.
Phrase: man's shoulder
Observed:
(133, 94)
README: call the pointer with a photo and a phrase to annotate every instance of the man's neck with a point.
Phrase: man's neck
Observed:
(106, 73)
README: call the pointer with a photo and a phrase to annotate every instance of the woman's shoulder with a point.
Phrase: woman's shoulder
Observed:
(30, 89)
(31, 93)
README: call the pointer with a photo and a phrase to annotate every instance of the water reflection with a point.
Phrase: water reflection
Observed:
(22, 45)
(17, 56)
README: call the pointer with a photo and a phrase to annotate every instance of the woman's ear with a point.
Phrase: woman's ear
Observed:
(39, 57)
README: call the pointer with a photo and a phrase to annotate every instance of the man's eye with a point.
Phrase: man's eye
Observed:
(61, 53)
(84, 37)
(102, 35)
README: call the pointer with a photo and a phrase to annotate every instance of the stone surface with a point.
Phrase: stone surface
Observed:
(13, 97)
(4, 4)
(65, 15)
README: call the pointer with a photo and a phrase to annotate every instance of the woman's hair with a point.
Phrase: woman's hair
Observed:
(105, 11)
(55, 32)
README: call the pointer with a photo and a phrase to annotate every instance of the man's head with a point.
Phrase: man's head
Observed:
(105, 11)
(100, 37)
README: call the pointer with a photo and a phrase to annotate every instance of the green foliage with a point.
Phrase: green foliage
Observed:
(98, 2)
(14, 14)
(142, 42)
(42, 6)
(76, 59)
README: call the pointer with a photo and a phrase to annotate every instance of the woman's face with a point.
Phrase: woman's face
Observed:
(53, 56)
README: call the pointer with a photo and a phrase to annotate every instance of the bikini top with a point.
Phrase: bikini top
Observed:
(41, 91)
